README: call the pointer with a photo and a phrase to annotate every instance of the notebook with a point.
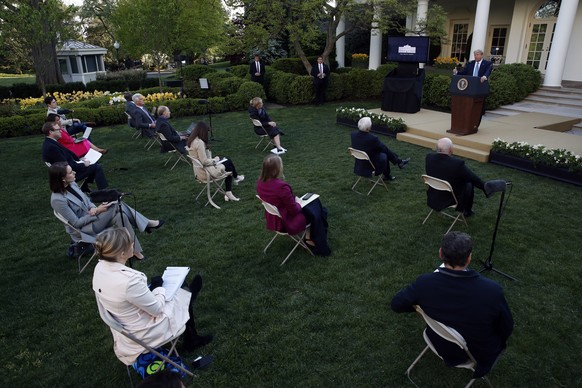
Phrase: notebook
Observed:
(173, 278)
(306, 199)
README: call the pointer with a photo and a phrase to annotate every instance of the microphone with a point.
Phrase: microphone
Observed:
(494, 186)
(107, 195)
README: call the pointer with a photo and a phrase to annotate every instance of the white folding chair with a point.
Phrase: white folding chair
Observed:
(115, 326)
(264, 136)
(76, 235)
(217, 182)
(137, 132)
(298, 238)
(361, 155)
(441, 185)
(155, 139)
(449, 334)
(173, 151)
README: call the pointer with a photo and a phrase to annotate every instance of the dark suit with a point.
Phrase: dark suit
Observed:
(264, 118)
(320, 82)
(129, 107)
(253, 69)
(164, 127)
(468, 302)
(142, 120)
(484, 69)
(53, 152)
(379, 154)
(461, 178)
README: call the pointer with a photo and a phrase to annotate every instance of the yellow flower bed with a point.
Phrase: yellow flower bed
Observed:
(61, 97)
(446, 62)
(156, 97)
(360, 57)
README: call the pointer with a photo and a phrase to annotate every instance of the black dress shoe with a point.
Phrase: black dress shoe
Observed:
(468, 213)
(202, 362)
(403, 162)
(149, 229)
(388, 178)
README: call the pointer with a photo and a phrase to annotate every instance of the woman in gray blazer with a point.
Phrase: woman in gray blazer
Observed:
(69, 201)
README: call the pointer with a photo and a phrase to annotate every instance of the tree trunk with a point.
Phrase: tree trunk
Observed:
(46, 65)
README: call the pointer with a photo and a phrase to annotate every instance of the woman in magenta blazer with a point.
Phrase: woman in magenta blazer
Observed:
(293, 219)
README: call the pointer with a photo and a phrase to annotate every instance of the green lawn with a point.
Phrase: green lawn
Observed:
(315, 321)
(11, 79)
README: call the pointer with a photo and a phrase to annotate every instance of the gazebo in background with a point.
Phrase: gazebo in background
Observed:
(80, 62)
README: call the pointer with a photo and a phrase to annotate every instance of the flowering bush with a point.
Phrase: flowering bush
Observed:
(157, 97)
(539, 154)
(61, 98)
(445, 62)
(360, 57)
(355, 114)
(117, 98)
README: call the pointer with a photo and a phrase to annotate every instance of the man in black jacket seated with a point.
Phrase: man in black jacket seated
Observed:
(462, 299)
(380, 155)
(443, 166)
(164, 127)
(53, 152)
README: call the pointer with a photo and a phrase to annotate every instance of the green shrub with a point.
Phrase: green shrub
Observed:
(193, 72)
(93, 103)
(109, 115)
(22, 90)
(292, 65)
(502, 88)
(226, 86)
(69, 87)
(301, 90)
(335, 88)
(240, 71)
(386, 68)
(22, 125)
(436, 91)
(527, 78)
(247, 91)
(359, 83)
(125, 75)
(278, 86)
(343, 70)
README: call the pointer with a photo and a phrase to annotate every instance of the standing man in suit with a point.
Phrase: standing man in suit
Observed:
(53, 152)
(320, 74)
(141, 117)
(478, 68)
(462, 299)
(257, 70)
(444, 166)
(380, 155)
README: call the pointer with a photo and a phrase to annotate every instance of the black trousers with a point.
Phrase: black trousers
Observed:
(229, 166)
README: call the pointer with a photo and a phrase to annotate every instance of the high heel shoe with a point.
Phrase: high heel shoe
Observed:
(239, 179)
(149, 229)
(229, 196)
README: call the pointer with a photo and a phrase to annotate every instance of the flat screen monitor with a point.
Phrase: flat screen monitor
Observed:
(408, 49)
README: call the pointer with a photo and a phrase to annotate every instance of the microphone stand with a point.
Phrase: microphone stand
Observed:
(209, 113)
(488, 264)
(122, 216)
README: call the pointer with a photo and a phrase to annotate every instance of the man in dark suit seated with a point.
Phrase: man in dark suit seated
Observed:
(164, 127)
(380, 155)
(141, 117)
(479, 67)
(53, 152)
(462, 299)
(129, 107)
(453, 170)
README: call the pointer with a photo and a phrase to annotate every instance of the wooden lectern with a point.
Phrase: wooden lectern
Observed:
(467, 98)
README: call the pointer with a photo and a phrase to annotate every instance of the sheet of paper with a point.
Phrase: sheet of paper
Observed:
(303, 202)
(173, 279)
(92, 156)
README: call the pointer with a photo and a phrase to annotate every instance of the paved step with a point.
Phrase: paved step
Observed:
(460, 150)
(554, 101)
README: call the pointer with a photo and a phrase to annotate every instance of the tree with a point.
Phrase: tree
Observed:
(37, 26)
(96, 20)
(161, 29)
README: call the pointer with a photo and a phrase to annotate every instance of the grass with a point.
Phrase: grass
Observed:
(315, 321)
(11, 79)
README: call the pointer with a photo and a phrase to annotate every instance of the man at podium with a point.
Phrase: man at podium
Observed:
(478, 68)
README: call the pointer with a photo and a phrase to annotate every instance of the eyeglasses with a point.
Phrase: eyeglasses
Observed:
(55, 130)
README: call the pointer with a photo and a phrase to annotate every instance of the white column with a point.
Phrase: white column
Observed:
(375, 44)
(421, 11)
(560, 42)
(480, 27)
(340, 44)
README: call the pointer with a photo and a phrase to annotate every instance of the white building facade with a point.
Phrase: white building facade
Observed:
(80, 62)
(546, 34)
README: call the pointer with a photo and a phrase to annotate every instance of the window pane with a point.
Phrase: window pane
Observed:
(74, 67)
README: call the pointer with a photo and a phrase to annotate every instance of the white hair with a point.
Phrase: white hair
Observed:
(365, 124)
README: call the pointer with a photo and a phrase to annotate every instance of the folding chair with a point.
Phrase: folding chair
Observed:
(361, 155)
(152, 140)
(449, 334)
(115, 326)
(76, 235)
(264, 136)
(172, 152)
(298, 238)
(209, 181)
(441, 185)
(137, 132)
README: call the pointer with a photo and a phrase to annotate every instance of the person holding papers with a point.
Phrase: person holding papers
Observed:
(53, 152)
(146, 312)
(70, 202)
(294, 216)
(199, 148)
(79, 146)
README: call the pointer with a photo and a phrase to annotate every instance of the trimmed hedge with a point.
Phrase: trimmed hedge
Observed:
(241, 71)
(193, 72)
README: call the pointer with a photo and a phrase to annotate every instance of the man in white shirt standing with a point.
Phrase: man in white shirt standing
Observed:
(320, 73)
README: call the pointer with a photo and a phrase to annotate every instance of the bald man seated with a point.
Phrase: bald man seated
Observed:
(441, 164)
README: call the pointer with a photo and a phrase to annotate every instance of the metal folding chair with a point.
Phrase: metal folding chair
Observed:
(77, 238)
(172, 152)
(441, 185)
(264, 136)
(210, 181)
(361, 155)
